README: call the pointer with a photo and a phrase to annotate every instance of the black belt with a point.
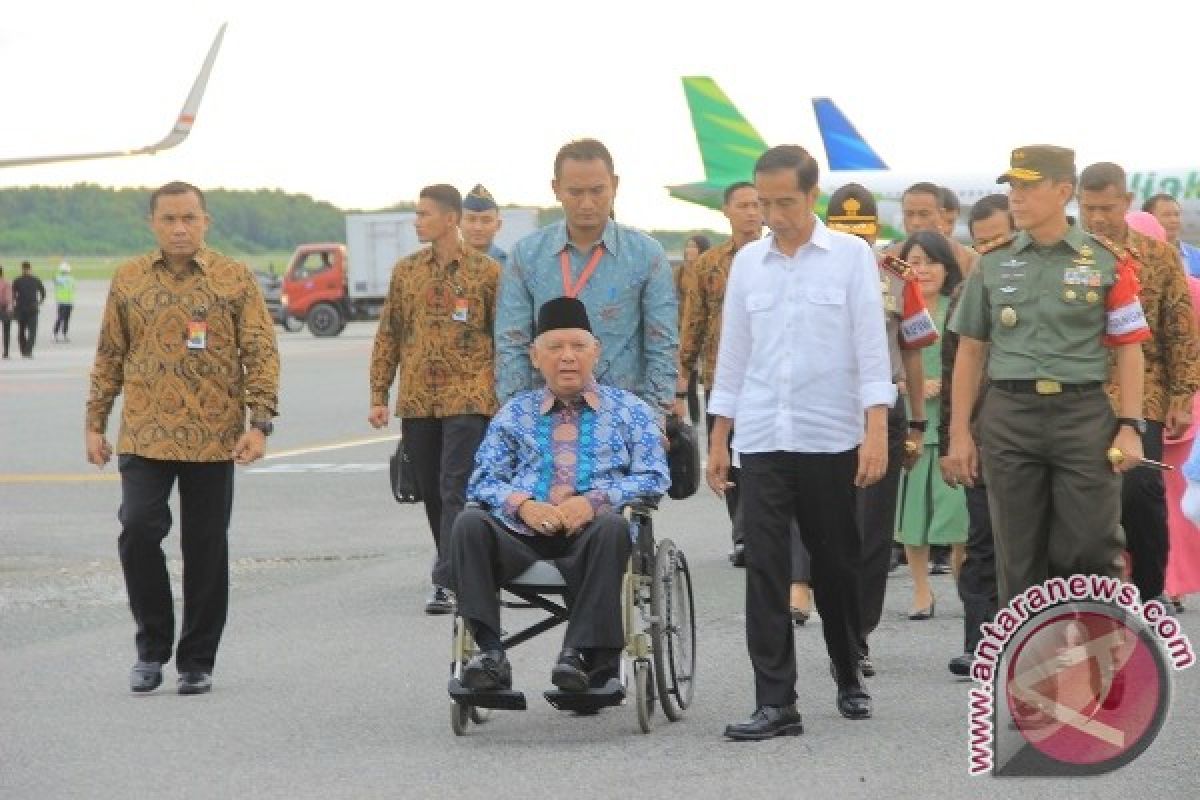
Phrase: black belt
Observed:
(1046, 386)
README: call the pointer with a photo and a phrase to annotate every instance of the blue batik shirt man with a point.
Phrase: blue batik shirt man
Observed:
(621, 275)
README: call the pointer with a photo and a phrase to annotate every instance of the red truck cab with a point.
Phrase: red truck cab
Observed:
(314, 288)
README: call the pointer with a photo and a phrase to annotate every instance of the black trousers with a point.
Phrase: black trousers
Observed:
(693, 398)
(877, 522)
(443, 456)
(977, 578)
(26, 331)
(484, 555)
(1144, 517)
(6, 325)
(731, 494)
(817, 491)
(206, 501)
(63, 320)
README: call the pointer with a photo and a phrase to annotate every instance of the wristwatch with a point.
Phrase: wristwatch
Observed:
(1137, 424)
(264, 426)
(921, 425)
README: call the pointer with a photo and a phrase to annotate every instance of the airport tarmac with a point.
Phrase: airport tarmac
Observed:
(330, 682)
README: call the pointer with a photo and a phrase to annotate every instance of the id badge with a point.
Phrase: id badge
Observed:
(460, 310)
(197, 335)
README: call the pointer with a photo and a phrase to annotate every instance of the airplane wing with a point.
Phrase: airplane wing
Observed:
(178, 132)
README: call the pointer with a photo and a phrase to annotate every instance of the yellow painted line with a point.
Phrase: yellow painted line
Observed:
(61, 477)
(90, 477)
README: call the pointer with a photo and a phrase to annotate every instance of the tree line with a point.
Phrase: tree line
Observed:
(92, 220)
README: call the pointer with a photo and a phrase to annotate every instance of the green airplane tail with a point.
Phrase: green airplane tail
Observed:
(729, 144)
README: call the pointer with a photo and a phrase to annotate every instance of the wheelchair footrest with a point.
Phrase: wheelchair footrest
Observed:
(503, 699)
(611, 694)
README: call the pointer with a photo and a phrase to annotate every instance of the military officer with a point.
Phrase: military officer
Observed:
(1048, 303)
(481, 221)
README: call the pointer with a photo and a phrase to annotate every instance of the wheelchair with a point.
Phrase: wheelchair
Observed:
(658, 612)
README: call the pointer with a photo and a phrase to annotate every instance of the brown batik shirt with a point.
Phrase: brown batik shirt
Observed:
(437, 330)
(1172, 354)
(700, 304)
(190, 354)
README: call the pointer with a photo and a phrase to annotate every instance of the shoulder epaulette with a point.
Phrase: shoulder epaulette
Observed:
(1118, 250)
(988, 247)
(901, 269)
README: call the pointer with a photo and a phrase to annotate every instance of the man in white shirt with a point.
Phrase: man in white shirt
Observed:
(803, 354)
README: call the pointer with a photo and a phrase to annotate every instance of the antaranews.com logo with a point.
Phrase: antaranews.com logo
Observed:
(1074, 678)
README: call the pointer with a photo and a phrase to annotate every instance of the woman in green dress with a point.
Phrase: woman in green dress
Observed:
(930, 511)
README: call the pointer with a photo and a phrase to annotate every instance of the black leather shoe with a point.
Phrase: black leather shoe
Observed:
(146, 676)
(194, 682)
(737, 556)
(487, 671)
(961, 665)
(604, 664)
(571, 672)
(440, 601)
(853, 702)
(767, 722)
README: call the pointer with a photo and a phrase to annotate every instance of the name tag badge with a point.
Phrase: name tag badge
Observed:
(197, 335)
(460, 310)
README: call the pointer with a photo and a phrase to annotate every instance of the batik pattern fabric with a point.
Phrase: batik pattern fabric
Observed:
(436, 333)
(607, 448)
(191, 354)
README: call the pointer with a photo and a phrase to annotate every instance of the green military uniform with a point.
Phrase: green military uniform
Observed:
(1046, 423)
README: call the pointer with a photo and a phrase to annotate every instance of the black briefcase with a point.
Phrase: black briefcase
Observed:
(404, 479)
(683, 458)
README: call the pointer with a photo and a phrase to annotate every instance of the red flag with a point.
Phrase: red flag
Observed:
(916, 323)
(1126, 321)
(917, 328)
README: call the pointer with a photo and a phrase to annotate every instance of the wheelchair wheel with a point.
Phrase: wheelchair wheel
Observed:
(673, 629)
(643, 693)
(460, 716)
(480, 715)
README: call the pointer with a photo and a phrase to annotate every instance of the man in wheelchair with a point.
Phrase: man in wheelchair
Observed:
(555, 468)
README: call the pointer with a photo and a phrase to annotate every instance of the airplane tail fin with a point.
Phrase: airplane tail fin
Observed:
(845, 148)
(729, 144)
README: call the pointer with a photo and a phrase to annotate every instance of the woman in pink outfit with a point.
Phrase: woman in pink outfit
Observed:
(1183, 562)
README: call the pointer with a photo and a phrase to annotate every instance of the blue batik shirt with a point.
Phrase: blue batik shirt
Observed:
(606, 447)
(1191, 258)
(630, 300)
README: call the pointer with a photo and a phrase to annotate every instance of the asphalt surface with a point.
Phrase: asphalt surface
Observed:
(330, 682)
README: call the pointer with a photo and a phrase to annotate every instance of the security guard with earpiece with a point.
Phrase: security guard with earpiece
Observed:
(1048, 305)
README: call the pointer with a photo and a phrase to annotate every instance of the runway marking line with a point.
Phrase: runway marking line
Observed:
(93, 477)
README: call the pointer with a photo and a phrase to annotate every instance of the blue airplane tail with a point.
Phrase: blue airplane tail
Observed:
(845, 148)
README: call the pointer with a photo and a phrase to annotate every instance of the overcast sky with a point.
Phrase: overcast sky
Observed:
(361, 103)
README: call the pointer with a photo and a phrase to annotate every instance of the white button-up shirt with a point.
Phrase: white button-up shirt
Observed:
(803, 346)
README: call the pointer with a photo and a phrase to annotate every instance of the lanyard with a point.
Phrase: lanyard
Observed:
(564, 260)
